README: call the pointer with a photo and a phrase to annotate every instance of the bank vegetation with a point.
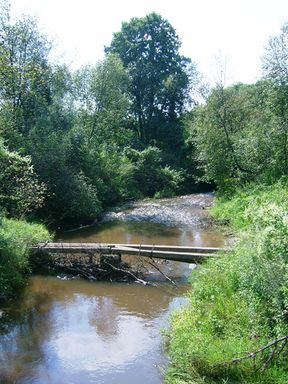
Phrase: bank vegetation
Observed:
(235, 328)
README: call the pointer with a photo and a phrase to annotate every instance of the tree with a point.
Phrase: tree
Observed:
(24, 76)
(275, 67)
(102, 102)
(234, 134)
(147, 176)
(101, 129)
(241, 134)
(159, 76)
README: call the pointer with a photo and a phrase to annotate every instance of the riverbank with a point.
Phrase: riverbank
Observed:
(239, 303)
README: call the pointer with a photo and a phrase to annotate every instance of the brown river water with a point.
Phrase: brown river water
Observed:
(81, 332)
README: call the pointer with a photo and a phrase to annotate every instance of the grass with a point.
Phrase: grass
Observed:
(239, 302)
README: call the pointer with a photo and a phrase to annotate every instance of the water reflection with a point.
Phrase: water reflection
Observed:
(27, 325)
(146, 233)
(103, 315)
(85, 333)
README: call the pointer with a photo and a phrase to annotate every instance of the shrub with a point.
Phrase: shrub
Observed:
(16, 238)
(20, 190)
(149, 176)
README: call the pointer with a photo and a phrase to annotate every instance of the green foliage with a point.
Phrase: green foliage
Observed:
(239, 209)
(74, 127)
(275, 66)
(147, 175)
(70, 195)
(236, 138)
(241, 133)
(238, 303)
(102, 103)
(20, 190)
(16, 237)
(159, 77)
(24, 77)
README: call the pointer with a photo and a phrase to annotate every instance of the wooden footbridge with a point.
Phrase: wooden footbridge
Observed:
(167, 252)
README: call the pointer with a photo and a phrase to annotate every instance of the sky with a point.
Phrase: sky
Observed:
(212, 31)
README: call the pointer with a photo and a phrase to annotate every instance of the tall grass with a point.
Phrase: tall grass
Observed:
(16, 238)
(238, 303)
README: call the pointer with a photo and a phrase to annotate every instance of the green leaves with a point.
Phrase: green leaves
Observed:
(24, 74)
(236, 136)
(275, 67)
(148, 177)
(275, 59)
(100, 94)
(158, 74)
(20, 190)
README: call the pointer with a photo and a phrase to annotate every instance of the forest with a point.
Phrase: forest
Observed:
(142, 123)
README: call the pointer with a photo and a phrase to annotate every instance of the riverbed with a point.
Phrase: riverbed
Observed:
(76, 331)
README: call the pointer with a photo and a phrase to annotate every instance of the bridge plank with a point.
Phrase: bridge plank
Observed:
(176, 253)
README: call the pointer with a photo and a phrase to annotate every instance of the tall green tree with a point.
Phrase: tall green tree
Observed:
(102, 102)
(101, 126)
(234, 134)
(159, 76)
(275, 66)
(25, 76)
(241, 134)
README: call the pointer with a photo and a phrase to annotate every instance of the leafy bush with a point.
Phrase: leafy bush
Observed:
(148, 175)
(16, 238)
(238, 136)
(79, 198)
(20, 191)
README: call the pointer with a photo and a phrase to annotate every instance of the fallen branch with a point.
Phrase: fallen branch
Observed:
(129, 273)
(162, 273)
(275, 354)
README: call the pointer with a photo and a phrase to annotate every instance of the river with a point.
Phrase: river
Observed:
(76, 331)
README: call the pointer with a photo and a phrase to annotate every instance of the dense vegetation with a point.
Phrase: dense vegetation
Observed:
(102, 134)
(73, 143)
(238, 304)
(241, 131)
(133, 126)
